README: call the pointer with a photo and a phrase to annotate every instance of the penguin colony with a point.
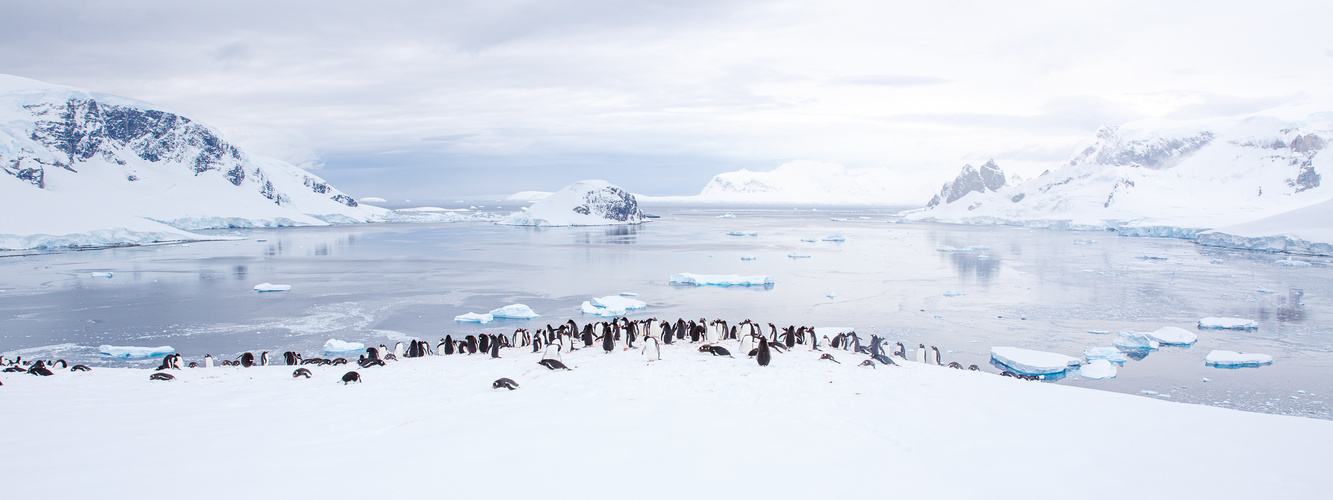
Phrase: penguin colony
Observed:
(756, 341)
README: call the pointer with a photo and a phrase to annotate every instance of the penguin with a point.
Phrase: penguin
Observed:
(471, 344)
(61, 364)
(444, 347)
(338, 361)
(935, 359)
(350, 377)
(763, 356)
(194, 364)
(829, 357)
(367, 363)
(398, 350)
(161, 376)
(973, 368)
(291, 358)
(884, 360)
(718, 350)
(553, 364)
(608, 343)
(921, 353)
(504, 382)
(495, 350)
(651, 349)
(955, 364)
(208, 361)
(263, 358)
(484, 343)
(747, 340)
(247, 360)
(372, 353)
(80, 368)
(552, 352)
(301, 372)
(868, 363)
(390, 357)
(39, 368)
(902, 350)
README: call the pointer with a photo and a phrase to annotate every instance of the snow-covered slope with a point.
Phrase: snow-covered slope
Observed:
(1306, 230)
(988, 179)
(583, 203)
(1165, 179)
(106, 162)
(809, 182)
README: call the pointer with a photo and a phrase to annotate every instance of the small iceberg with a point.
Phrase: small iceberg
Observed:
(336, 346)
(1031, 362)
(128, 352)
(1104, 353)
(1150, 257)
(747, 257)
(810, 240)
(611, 306)
(1097, 369)
(836, 237)
(795, 255)
(952, 293)
(727, 216)
(270, 287)
(720, 280)
(1229, 359)
(831, 295)
(1135, 341)
(103, 275)
(474, 318)
(743, 233)
(629, 294)
(1293, 263)
(513, 311)
(1227, 324)
(1171, 335)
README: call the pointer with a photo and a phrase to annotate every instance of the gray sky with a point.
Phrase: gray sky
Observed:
(441, 98)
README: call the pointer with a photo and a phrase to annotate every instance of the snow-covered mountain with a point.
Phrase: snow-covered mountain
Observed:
(810, 182)
(971, 180)
(77, 162)
(1161, 179)
(583, 203)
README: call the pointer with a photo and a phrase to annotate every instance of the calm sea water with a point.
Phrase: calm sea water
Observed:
(1037, 289)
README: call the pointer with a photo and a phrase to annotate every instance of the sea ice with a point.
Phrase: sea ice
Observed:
(743, 233)
(795, 255)
(1293, 263)
(1105, 353)
(474, 318)
(1150, 257)
(720, 279)
(1230, 359)
(611, 306)
(102, 275)
(513, 311)
(727, 216)
(952, 293)
(1212, 323)
(270, 287)
(127, 352)
(836, 237)
(629, 294)
(1031, 362)
(747, 257)
(1135, 340)
(831, 295)
(953, 250)
(335, 346)
(810, 240)
(1097, 369)
(1171, 335)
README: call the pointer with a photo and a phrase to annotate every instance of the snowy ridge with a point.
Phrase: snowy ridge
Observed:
(810, 182)
(67, 153)
(583, 203)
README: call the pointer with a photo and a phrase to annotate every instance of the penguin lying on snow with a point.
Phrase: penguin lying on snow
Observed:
(39, 368)
(716, 350)
(247, 360)
(161, 376)
(867, 363)
(954, 364)
(884, 360)
(301, 372)
(350, 377)
(829, 357)
(80, 368)
(553, 364)
(506, 383)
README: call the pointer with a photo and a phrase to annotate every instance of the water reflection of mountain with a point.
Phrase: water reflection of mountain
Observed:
(610, 235)
(982, 266)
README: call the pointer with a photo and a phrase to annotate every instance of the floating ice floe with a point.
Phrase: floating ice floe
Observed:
(1211, 323)
(102, 275)
(1104, 353)
(747, 257)
(953, 250)
(1150, 257)
(1135, 340)
(514, 311)
(1171, 335)
(474, 318)
(611, 306)
(795, 255)
(335, 345)
(1031, 362)
(1097, 369)
(1085, 242)
(727, 216)
(128, 352)
(1230, 359)
(952, 293)
(270, 287)
(720, 280)
(810, 240)
(831, 295)
(628, 294)
(743, 233)
(1293, 263)
(1215, 261)
(836, 237)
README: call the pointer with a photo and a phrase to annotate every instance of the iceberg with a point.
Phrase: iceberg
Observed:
(584, 203)
(952, 293)
(720, 280)
(336, 346)
(1030, 362)
(1171, 335)
(474, 318)
(1135, 340)
(747, 257)
(513, 311)
(1211, 323)
(795, 255)
(1097, 369)
(836, 237)
(743, 233)
(1230, 359)
(1104, 353)
(270, 287)
(611, 306)
(831, 295)
(102, 275)
(127, 352)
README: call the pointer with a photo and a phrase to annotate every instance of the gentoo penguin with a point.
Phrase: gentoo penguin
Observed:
(398, 349)
(495, 350)
(973, 368)
(902, 350)
(445, 346)
(263, 358)
(247, 360)
(552, 352)
(39, 368)
(161, 376)
(336, 361)
(763, 356)
(867, 363)
(301, 372)
(208, 361)
(829, 357)
(504, 382)
(61, 364)
(350, 377)
(747, 341)
(608, 343)
(291, 358)
(553, 364)
(921, 353)
(80, 368)
(955, 364)
(484, 343)
(651, 349)
(884, 360)
(935, 357)
(471, 344)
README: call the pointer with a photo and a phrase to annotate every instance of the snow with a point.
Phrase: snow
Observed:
(810, 182)
(372, 199)
(583, 203)
(941, 428)
(743, 233)
(513, 311)
(836, 237)
(128, 352)
(474, 318)
(528, 196)
(1303, 231)
(1230, 359)
(1211, 323)
(1170, 335)
(1097, 369)
(720, 280)
(270, 287)
(1104, 353)
(611, 306)
(1135, 340)
(1032, 362)
(337, 346)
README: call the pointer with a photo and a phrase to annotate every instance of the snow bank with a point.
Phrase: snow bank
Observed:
(1171, 335)
(528, 196)
(474, 318)
(337, 346)
(1097, 369)
(611, 306)
(1211, 323)
(126, 352)
(513, 311)
(1230, 359)
(583, 203)
(270, 287)
(720, 280)
(1135, 341)
(1031, 362)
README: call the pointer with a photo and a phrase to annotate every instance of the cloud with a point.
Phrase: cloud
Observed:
(1211, 105)
(889, 80)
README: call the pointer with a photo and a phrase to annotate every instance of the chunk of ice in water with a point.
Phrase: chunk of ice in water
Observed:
(270, 287)
(720, 280)
(747, 257)
(743, 233)
(953, 250)
(1293, 263)
(514, 311)
(1231, 359)
(1212, 323)
(1031, 362)
(951, 293)
(1097, 369)
(1135, 340)
(1171, 335)
(810, 240)
(1105, 353)
(611, 306)
(836, 237)
(474, 318)
(336, 346)
(102, 275)
(795, 255)
(130, 352)
(831, 295)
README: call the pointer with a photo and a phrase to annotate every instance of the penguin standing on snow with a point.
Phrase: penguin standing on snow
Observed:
(484, 343)
(447, 345)
(921, 353)
(495, 350)
(608, 343)
(763, 356)
(552, 352)
(263, 358)
(208, 361)
(398, 350)
(747, 340)
(651, 349)
(935, 355)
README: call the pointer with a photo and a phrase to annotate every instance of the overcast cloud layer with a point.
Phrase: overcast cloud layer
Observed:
(443, 98)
